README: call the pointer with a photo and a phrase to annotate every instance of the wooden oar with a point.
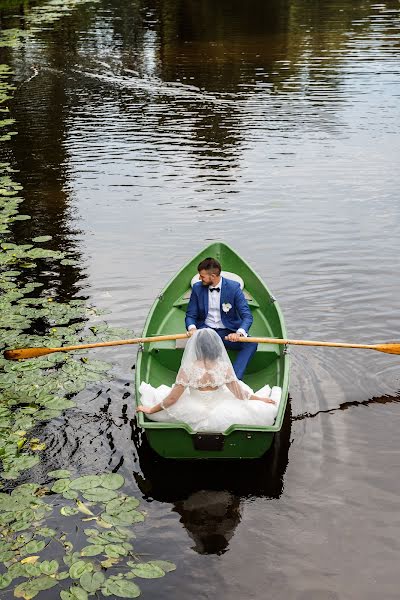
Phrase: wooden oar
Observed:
(21, 353)
(389, 348)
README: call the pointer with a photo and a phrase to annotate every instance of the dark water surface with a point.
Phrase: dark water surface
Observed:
(146, 129)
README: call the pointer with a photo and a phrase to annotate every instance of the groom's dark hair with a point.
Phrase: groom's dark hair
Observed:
(210, 264)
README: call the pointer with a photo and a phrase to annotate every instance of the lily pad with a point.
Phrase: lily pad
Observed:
(112, 481)
(59, 474)
(121, 588)
(148, 570)
(87, 482)
(69, 511)
(99, 495)
(92, 582)
(78, 568)
(42, 238)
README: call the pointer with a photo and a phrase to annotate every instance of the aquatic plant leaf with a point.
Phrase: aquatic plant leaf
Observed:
(110, 562)
(112, 481)
(78, 568)
(92, 550)
(75, 593)
(33, 547)
(5, 556)
(148, 570)
(84, 509)
(115, 550)
(32, 570)
(46, 532)
(165, 565)
(60, 486)
(70, 495)
(30, 560)
(123, 518)
(42, 238)
(99, 495)
(30, 589)
(5, 580)
(121, 504)
(86, 482)
(121, 588)
(59, 474)
(92, 582)
(49, 567)
(69, 511)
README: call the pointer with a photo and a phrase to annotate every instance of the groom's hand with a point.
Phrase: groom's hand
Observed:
(191, 331)
(233, 337)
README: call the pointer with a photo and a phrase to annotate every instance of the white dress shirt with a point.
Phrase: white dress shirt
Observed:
(213, 318)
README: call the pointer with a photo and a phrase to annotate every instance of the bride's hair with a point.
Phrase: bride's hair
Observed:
(208, 345)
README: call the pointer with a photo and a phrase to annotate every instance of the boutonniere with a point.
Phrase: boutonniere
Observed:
(226, 307)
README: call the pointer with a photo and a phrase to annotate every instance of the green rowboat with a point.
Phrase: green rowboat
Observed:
(158, 363)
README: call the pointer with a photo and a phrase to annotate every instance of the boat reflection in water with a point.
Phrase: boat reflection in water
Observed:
(208, 495)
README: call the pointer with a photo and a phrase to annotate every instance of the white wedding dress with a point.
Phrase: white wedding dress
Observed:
(214, 410)
(207, 395)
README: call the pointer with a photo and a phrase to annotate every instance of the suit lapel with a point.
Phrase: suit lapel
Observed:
(222, 295)
(205, 300)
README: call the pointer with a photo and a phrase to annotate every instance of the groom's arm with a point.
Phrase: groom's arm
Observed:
(244, 311)
(192, 311)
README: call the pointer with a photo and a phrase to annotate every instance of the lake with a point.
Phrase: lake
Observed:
(148, 129)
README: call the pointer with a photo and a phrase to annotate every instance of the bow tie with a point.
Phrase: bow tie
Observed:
(214, 289)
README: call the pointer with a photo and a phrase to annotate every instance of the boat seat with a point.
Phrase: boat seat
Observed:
(226, 274)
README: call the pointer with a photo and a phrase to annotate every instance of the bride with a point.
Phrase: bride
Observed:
(207, 395)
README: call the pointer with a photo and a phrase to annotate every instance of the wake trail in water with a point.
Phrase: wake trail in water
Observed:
(345, 405)
(133, 80)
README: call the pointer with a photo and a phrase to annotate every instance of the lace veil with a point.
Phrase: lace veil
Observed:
(205, 362)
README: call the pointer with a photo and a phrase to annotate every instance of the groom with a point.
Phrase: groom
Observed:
(219, 303)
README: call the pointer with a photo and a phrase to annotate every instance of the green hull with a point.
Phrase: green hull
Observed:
(159, 362)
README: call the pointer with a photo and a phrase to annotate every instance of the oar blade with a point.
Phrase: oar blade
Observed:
(389, 348)
(24, 353)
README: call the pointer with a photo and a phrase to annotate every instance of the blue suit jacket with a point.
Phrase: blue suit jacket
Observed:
(238, 316)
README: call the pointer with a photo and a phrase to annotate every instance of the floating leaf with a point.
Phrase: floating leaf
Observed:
(86, 482)
(42, 238)
(83, 508)
(121, 504)
(122, 588)
(49, 567)
(99, 495)
(75, 593)
(115, 550)
(165, 565)
(70, 495)
(78, 568)
(91, 582)
(92, 550)
(123, 518)
(148, 570)
(112, 481)
(46, 532)
(60, 486)
(29, 560)
(110, 562)
(5, 581)
(69, 511)
(33, 547)
(30, 589)
(59, 474)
